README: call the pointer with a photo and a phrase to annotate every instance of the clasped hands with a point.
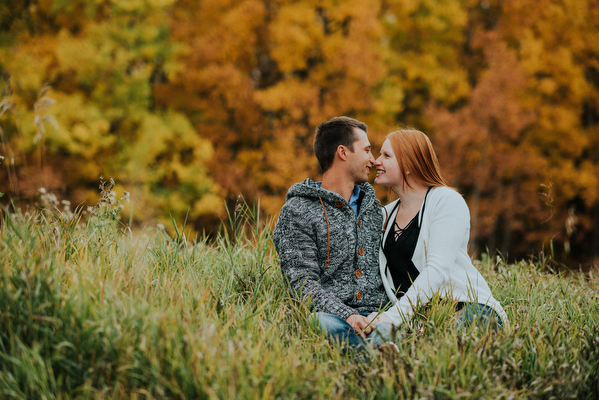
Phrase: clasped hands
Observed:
(363, 325)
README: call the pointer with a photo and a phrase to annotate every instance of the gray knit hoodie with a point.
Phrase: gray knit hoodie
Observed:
(305, 237)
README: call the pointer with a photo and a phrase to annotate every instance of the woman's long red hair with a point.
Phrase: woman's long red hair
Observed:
(415, 154)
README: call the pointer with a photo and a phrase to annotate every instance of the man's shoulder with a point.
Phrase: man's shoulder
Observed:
(296, 204)
(369, 197)
(367, 188)
(304, 189)
(298, 209)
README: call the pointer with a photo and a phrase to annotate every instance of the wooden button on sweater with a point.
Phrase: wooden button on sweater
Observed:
(358, 295)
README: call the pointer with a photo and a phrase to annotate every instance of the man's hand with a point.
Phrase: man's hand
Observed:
(360, 324)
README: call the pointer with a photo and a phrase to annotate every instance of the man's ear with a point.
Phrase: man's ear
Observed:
(342, 152)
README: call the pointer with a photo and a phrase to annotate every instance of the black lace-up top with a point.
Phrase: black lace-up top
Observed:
(399, 248)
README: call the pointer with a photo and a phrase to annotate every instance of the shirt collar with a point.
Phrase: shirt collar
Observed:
(353, 200)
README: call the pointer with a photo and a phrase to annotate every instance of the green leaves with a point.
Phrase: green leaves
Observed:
(103, 70)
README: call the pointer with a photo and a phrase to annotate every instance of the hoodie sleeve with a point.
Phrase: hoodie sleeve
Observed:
(295, 241)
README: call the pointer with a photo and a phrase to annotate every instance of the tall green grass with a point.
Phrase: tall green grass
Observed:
(90, 310)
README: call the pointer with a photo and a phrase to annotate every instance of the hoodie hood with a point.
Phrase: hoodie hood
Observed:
(312, 190)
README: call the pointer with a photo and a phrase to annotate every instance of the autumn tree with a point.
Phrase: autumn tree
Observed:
(103, 61)
(423, 43)
(482, 148)
(260, 75)
(530, 126)
(187, 102)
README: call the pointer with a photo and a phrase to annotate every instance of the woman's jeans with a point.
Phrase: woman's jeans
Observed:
(475, 313)
(337, 330)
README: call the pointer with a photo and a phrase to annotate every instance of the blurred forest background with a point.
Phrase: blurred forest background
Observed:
(190, 103)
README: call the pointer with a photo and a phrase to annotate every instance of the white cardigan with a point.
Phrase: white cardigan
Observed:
(441, 258)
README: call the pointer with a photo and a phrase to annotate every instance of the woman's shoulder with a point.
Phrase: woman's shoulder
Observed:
(445, 192)
(390, 206)
(444, 196)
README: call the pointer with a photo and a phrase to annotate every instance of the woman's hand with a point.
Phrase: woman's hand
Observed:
(376, 318)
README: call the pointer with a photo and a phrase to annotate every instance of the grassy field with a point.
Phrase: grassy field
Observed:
(90, 310)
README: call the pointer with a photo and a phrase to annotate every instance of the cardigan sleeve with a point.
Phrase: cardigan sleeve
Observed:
(298, 253)
(444, 231)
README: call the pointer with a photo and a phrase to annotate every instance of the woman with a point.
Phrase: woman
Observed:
(425, 237)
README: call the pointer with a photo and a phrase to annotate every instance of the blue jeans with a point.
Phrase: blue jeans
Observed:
(337, 330)
(480, 314)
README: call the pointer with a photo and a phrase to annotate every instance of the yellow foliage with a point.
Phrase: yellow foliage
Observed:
(296, 36)
(391, 96)
(141, 5)
(292, 95)
(28, 62)
(84, 130)
(509, 86)
(229, 31)
(210, 204)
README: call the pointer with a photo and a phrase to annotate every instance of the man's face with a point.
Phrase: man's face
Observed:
(360, 161)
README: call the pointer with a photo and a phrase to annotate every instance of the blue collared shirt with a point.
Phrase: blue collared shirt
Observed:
(353, 200)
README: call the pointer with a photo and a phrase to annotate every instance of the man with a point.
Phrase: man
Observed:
(328, 235)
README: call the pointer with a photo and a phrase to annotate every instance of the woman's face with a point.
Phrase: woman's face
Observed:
(387, 167)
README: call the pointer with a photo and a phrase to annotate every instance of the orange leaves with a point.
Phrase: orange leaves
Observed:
(224, 33)
(296, 37)
(521, 124)
(259, 76)
(507, 89)
(293, 96)
(103, 66)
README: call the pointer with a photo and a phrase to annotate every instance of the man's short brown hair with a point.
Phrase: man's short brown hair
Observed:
(333, 133)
